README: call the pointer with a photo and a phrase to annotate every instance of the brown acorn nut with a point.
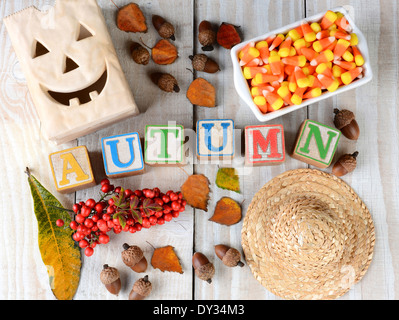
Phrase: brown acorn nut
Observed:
(165, 82)
(141, 289)
(139, 54)
(202, 63)
(202, 267)
(165, 29)
(206, 35)
(229, 256)
(344, 121)
(109, 276)
(134, 258)
(345, 164)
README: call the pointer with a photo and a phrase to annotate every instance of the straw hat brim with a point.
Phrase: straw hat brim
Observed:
(307, 235)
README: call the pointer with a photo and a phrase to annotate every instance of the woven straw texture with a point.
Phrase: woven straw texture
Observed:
(307, 235)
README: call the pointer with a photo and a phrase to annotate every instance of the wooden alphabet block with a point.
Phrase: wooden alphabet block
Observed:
(264, 145)
(72, 170)
(316, 144)
(164, 145)
(215, 139)
(122, 155)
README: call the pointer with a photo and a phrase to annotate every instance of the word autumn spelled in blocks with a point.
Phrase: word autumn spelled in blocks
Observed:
(122, 155)
(164, 145)
(316, 144)
(264, 145)
(72, 170)
(215, 139)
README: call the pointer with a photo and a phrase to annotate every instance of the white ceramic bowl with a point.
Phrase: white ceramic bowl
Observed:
(241, 83)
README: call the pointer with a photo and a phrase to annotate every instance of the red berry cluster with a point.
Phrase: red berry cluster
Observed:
(124, 210)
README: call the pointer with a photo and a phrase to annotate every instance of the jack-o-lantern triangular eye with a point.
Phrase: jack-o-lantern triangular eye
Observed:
(70, 65)
(40, 50)
(84, 33)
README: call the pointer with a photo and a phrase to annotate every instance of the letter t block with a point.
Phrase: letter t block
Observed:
(264, 145)
(72, 170)
(316, 144)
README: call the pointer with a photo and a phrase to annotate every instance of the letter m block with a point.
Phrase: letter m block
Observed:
(264, 145)
(316, 144)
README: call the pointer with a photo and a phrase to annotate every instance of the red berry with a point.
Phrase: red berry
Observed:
(90, 203)
(83, 243)
(168, 216)
(99, 207)
(165, 199)
(183, 202)
(79, 218)
(158, 214)
(175, 214)
(59, 223)
(106, 217)
(128, 193)
(76, 207)
(77, 236)
(138, 193)
(180, 195)
(138, 226)
(93, 244)
(111, 202)
(73, 225)
(94, 228)
(118, 189)
(169, 192)
(106, 188)
(95, 217)
(85, 211)
(116, 221)
(161, 220)
(175, 206)
(104, 238)
(102, 225)
(153, 220)
(104, 181)
(110, 224)
(117, 229)
(158, 201)
(132, 229)
(146, 223)
(173, 196)
(130, 221)
(111, 209)
(89, 251)
(89, 223)
(182, 209)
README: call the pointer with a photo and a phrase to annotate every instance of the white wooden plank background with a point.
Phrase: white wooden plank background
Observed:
(375, 179)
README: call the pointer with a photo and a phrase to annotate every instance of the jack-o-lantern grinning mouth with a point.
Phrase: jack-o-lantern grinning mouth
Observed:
(81, 96)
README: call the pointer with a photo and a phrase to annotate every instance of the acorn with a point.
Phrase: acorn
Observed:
(345, 164)
(139, 54)
(344, 121)
(230, 257)
(206, 35)
(134, 258)
(141, 289)
(165, 82)
(109, 276)
(202, 63)
(202, 267)
(164, 28)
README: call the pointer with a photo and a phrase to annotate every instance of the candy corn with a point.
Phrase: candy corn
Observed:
(311, 59)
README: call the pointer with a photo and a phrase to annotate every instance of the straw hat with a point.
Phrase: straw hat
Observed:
(307, 235)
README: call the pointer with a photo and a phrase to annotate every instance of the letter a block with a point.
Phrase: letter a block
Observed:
(72, 170)
(316, 144)
(122, 155)
(264, 145)
(164, 145)
(215, 139)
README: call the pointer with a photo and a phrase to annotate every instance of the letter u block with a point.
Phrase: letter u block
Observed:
(164, 145)
(215, 139)
(316, 144)
(72, 170)
(264, 145)
(122, 155)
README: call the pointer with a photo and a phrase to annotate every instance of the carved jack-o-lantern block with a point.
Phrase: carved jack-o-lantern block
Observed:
(72, 70)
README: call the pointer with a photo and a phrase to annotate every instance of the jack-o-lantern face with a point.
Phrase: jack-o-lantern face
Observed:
(71, 67)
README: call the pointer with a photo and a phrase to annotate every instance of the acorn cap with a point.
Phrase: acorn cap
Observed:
(199, 61)
(205, 272)
(348, 161)
(109, 275)
(143, 287)
(131, 255)
(343, 118)
(232, 257)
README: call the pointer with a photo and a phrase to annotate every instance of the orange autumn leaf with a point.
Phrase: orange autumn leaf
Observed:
(196, 191)
(164, 52)
(227, 36)
(227, 212)
(165, 259)
(202, 93)
(131, 19)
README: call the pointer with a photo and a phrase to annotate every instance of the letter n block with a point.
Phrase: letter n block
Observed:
(264, 145)
(316, 144)
(122, 155)
(164, 145)
(215, 139)
(72, 170)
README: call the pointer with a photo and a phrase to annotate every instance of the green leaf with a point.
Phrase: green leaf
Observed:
(59, 252)
(228, 179)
